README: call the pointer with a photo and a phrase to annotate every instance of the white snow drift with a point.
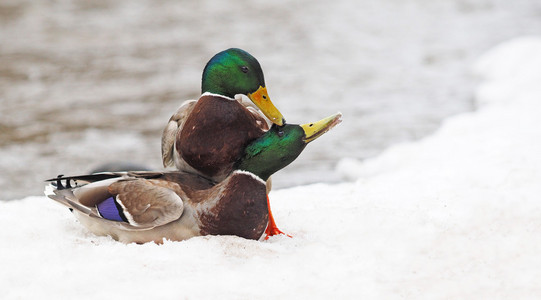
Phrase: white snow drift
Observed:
(456, 215)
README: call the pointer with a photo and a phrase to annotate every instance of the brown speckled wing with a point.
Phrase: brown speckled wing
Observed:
(171, 130)
(148, 203)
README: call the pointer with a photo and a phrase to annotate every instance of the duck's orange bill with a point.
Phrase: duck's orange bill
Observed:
(262, 100)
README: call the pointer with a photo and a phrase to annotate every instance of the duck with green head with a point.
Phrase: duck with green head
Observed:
(143, 207)
(208, 136)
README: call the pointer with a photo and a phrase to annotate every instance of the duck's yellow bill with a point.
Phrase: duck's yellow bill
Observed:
(262, 100)
(317, 129)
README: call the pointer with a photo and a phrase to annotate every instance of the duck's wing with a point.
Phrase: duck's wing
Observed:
(121, 199)
(171, 130)
(147, 203)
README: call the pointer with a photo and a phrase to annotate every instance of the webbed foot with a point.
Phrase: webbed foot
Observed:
(272, 229)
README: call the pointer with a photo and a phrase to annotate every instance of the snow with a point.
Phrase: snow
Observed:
(454, 215)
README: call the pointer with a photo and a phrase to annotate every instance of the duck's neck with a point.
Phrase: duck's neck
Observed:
(212, 83)
(216, 95)
(270, 153)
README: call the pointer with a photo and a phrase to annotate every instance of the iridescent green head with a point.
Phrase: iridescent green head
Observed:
(281, 145)
(235, 71)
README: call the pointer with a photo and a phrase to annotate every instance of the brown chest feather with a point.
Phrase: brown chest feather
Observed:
(215, 135)
(241, 210)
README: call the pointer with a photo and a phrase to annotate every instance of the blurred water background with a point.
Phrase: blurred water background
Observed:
(88, 82)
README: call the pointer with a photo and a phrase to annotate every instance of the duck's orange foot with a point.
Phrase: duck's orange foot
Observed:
(272, 229)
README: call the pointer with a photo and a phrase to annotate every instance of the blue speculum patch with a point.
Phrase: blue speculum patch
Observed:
(110, 210)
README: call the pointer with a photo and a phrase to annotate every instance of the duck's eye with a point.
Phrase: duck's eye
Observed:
(244, 69)
(280, 133)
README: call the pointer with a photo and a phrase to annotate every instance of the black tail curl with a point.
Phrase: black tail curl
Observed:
(62, 182)
(58, 182)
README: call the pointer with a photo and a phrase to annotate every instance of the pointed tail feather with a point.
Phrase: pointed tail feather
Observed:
(63, 196)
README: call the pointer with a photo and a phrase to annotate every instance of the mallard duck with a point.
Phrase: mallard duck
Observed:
(143, 207)
(207, 136)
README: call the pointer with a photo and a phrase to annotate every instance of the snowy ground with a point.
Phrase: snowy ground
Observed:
(455, 216)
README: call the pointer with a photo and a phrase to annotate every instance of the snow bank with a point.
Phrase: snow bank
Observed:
(456, 215)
